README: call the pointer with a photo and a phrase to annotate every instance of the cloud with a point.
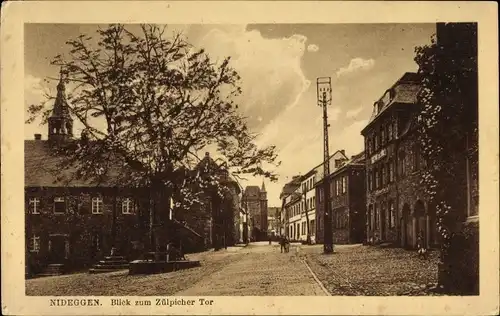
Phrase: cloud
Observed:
(270, 68)
(356, 64)
(313, 48)
(34, 93)
(354, 112)
(350, 138)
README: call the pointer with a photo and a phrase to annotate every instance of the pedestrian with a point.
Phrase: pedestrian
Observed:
(287, 245)
(421, 248)
(282, 243)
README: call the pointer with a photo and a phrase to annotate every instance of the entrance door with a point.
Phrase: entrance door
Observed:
(420, 221)
(57, 249)
(406, 227)
(383, 236)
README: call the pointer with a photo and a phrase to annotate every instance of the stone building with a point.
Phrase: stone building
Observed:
(255, 202)
(218, 219)
(73, 222)
(347, 201)
(397, 207)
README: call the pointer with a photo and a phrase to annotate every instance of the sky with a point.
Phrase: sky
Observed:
(279, 64)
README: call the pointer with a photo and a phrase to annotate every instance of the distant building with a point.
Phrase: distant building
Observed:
(273, 220)
(347, 201)
(254, 200)
(299, 201)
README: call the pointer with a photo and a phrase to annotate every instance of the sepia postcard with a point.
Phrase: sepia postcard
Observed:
(249, 158)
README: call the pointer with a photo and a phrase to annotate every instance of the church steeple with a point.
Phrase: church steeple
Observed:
(263, 188)
(60, 121)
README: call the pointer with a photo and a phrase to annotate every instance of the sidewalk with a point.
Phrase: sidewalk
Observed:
(366, 270)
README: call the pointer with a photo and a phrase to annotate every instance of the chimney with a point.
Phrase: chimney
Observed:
(207, 154)
(38, 136)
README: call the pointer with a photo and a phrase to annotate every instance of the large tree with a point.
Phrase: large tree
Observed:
(152, 103)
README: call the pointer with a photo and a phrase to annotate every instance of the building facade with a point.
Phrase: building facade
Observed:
(75, 222)
(273, 214)
(397, 207)
(254, 200)
(337, 160)
(300, 217)
(347, 201)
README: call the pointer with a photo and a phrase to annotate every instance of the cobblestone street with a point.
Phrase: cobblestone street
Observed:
(258, 269)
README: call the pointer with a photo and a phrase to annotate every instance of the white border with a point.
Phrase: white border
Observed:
(15, 14)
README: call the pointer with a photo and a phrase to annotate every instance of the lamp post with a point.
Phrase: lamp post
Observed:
(324, 98)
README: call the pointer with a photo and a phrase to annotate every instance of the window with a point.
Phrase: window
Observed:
(376, 217)
(344, 184)
(377, 179)
(391, 171)
(97, 205)
(127, 205)
(34, 205)
(392, 215)
(376, 143)
(382, 141)
(314, 202)
(384, 175)
(59, 205)
(35, 244)
(389, 132)
(369, 217)
(402, 164)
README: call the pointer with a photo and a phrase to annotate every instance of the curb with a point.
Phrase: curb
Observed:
(316, 279)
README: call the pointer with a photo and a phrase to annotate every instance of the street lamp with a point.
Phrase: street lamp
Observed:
(324, 98)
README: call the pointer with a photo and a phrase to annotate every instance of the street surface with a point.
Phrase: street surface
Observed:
(258, 269)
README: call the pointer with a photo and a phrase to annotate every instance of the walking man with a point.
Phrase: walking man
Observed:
(282, 243)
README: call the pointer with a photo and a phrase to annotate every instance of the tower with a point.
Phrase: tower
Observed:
(263, 209)
(60, 121)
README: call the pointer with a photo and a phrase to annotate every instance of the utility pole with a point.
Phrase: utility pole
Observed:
(324, 97)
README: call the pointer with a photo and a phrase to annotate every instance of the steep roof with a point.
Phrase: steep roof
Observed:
(61, 108)
(43, 168)
(403, 91)
(252, 190)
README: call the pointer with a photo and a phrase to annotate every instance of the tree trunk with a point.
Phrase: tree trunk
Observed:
(113, 219)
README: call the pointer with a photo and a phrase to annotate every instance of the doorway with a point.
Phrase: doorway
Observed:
(420, 221)
(57, 249)
(405, 227)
